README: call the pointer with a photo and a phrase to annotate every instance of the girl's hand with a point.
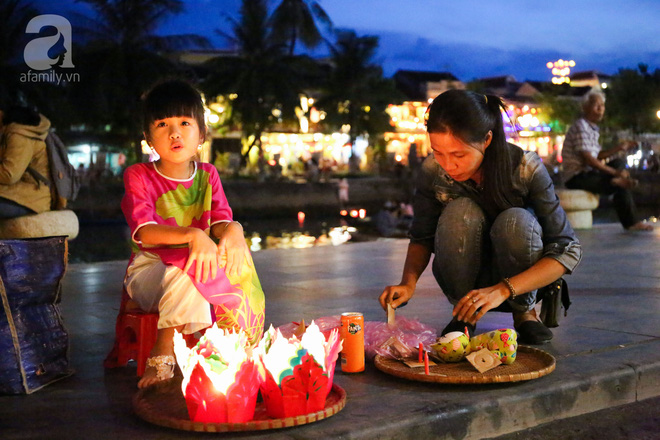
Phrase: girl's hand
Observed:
(203, 251)
(396, 295)
(473, 306)
(232, 245)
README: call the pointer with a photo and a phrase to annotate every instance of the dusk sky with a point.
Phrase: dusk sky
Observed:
(472, 38)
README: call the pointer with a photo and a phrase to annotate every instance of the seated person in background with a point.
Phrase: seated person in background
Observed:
(23, 147)
(583, 166)
(387, 219)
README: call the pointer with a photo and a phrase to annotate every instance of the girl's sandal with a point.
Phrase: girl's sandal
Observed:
(164, 366)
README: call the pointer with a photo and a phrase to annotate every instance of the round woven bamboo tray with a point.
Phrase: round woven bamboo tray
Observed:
(163, 404)
(531, 363)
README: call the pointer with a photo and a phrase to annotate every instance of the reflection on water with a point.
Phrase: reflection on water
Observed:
(110, 240)
(336, 236)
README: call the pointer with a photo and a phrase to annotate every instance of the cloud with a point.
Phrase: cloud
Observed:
(469, 61)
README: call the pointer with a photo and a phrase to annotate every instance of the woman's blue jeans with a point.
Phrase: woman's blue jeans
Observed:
(470, 253)
(11, 209)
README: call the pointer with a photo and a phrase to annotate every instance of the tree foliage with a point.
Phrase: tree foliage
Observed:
(560, 111)
(14, 16)
(633, 99)
(121, 58)
(355, 93)
(261, 78)
(296, 20)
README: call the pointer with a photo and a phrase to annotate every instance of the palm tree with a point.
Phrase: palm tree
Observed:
(14, 16)
(262, 76)
(356, 93)
(295, 20)
(122, 57)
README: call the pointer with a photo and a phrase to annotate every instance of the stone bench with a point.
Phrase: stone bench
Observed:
(578, 205)
(46, 224)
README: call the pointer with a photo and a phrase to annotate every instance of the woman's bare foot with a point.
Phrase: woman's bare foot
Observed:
(530, 329)
(520, 317)
(641, 226)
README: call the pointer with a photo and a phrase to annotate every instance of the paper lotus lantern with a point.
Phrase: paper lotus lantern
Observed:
(221, 376)
(299, 372)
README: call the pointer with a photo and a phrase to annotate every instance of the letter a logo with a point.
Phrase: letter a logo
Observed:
(36, 51)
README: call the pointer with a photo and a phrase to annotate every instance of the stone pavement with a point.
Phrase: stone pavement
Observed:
(607, 349)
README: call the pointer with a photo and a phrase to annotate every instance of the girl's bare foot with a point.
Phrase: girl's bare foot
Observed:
(159, 367)
(641, 226)
(161, 363)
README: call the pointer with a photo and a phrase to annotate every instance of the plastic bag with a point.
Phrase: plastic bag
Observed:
(389, 342)
(379, 338)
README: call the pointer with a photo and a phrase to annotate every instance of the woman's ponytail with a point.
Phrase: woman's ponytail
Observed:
(498, 165)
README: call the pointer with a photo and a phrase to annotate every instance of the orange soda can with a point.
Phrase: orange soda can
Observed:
(352, 334)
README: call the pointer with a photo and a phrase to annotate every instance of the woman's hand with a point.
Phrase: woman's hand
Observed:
(232, 245)
(204, 252)
(396, 295)
(473, 306)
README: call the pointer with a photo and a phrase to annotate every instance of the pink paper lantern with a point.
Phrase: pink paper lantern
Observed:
(221, 377)
(299, 373)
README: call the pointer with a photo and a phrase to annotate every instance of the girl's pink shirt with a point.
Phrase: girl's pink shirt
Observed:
(152, 198)
(198, 202)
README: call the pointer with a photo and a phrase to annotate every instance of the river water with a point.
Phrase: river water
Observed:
(107, 240)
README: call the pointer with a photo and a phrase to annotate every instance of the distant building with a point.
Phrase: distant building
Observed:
(508, 87)
(590, 78)
(524, 122)
(407, 119)
(422, 86)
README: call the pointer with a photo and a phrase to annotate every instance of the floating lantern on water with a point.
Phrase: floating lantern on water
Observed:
(299, 372)
(221, 376)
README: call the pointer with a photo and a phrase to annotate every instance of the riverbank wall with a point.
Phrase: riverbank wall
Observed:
(250, 199)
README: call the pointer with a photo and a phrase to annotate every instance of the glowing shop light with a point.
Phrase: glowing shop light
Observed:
(561, 69)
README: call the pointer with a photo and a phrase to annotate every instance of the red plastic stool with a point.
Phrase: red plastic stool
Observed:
(135, 336)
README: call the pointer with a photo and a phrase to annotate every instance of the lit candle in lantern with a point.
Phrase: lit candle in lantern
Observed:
(221, 376)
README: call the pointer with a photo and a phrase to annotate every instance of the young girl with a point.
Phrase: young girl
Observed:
(488, 211)
(175, 206)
